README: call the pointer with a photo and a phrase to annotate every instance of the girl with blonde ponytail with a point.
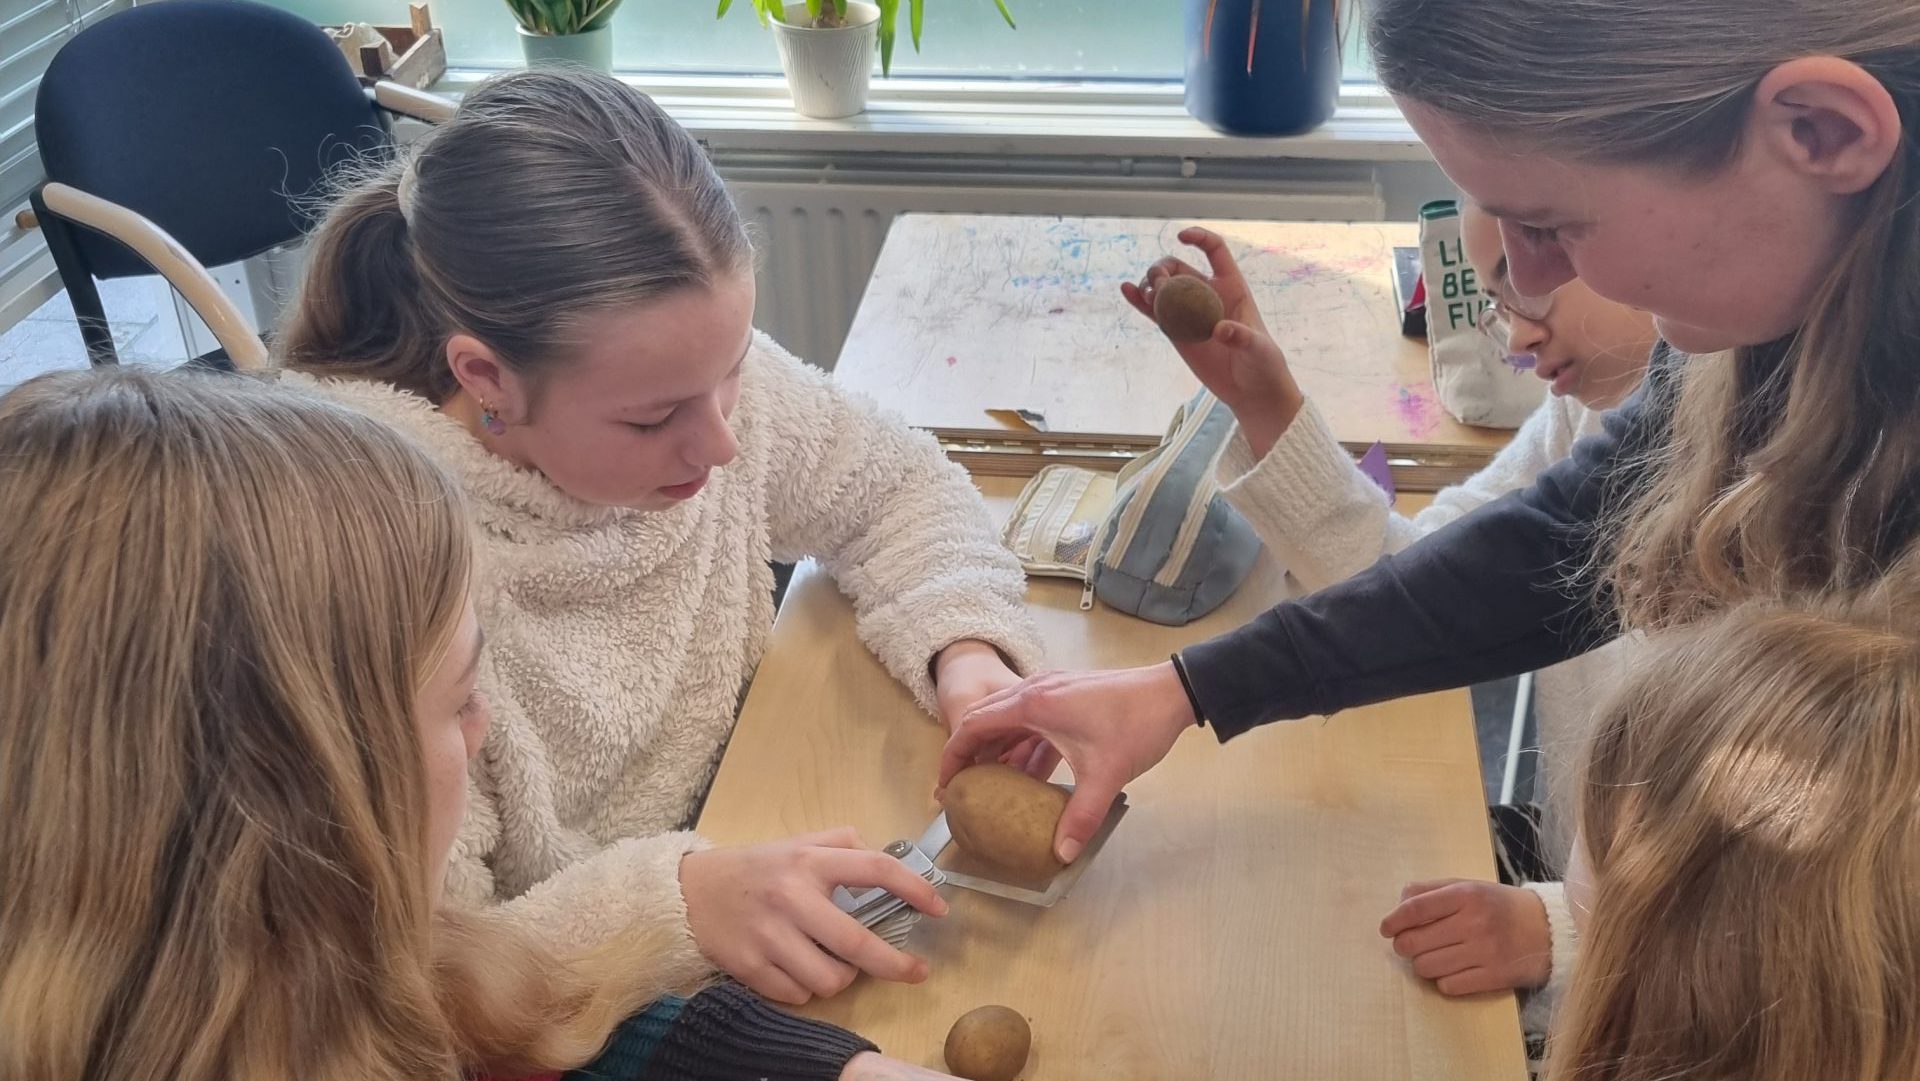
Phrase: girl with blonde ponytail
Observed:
(554, 295)
(237, 704)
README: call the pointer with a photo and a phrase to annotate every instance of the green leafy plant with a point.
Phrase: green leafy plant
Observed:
(827, 14)
(553, 18)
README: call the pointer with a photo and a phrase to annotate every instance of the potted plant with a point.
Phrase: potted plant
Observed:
(566, 31)
(1257, 68)
(826, 47)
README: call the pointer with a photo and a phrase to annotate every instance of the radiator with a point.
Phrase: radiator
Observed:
(818, 224)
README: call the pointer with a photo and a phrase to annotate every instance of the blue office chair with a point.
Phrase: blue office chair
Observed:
(204, 128)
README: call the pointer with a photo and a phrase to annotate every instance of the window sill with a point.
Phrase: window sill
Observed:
(952, 116)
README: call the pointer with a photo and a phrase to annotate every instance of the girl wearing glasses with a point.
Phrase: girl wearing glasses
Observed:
(1325, 520)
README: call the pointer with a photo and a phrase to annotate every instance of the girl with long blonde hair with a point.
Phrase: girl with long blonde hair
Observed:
(237, 667)
(1751, 824)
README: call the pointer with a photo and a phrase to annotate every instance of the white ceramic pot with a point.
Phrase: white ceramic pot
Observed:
(828, 70)
(593, 49)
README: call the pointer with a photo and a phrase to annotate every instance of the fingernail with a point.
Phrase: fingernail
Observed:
(1070, 850)
(941, 907)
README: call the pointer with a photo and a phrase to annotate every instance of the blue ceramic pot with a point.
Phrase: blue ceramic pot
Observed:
(1262, 67)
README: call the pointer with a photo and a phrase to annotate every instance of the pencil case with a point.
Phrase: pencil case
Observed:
(1055, 521)
(1158, 540)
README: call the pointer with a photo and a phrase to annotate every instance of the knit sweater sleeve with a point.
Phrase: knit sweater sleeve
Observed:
(563, 887)
(725, 1033)
(627, 886)
(1325, 520)
(900, 528)
(601, 894)
(1541, 1003)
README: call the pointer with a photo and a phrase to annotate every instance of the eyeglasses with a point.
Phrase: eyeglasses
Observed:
(1496, 319)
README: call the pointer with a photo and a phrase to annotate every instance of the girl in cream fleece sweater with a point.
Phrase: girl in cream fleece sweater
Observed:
(554, 297)
(1324, 520)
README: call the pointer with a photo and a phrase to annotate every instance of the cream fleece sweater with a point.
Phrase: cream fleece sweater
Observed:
(1324, 520)
(619, 643)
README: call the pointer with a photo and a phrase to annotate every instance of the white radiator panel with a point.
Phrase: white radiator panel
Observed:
(818, 230)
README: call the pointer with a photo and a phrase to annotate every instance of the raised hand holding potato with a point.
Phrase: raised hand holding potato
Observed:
(1238, 360)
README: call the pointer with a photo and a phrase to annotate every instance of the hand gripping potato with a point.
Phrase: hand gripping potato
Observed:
(1003, 817)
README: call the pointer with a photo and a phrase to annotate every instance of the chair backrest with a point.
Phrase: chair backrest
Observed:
(212, 118)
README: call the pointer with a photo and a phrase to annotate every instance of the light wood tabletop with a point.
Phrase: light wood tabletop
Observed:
(967, 313)
(1227, 930)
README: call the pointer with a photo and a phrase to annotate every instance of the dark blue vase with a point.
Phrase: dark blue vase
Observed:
(1262, 67)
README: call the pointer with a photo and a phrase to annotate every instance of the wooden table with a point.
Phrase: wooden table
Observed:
(1228, 928)
(967, 313)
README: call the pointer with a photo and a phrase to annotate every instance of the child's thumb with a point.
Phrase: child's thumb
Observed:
(1238, 335)
(1244, 339)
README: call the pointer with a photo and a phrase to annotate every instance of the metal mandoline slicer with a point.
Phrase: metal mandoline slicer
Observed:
(935, 840)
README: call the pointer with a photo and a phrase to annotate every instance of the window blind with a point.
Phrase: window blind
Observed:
(31, 32)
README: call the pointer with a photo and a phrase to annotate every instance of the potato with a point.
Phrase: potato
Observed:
(1003, 817)
(1187, 308)
(989, 1044)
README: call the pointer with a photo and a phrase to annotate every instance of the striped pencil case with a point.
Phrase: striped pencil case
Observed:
(1157, 541)
(1172, 548)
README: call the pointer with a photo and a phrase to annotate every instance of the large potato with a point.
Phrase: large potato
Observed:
(1187, 308)
(1004, 817)
(989, 1044)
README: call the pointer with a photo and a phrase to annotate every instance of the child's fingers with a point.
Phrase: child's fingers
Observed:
(811, 967)
(865, 951)
(1214, 247)
(863, 869)
(1474, 981)
(1266, 354)
(1239, 336)
(839, 837)
(1446, 961)
(1424, 940)
(1414, 889)
(1164, 268)
(1136, 298)
(1420, 910)
(771, 981)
